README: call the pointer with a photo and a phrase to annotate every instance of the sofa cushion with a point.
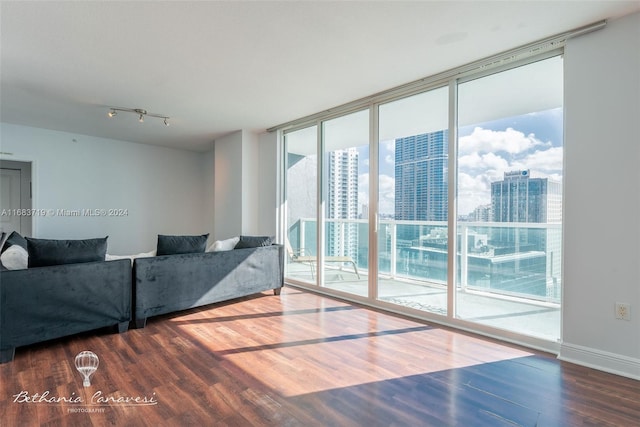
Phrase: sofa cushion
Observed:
(224, 245)
(14, 239)
(44, 252)
(172, 245)
(15, 258)
(253, 242)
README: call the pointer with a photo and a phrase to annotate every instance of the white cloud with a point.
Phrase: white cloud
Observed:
(487, 141)
(386, 187)
(389, 145)
(554, 177)
(477, 172)
(475, 161)
(473, 191)
(387, 184)
(472, 184)
(548, 160)
(363, 199)
(389, 159)
(363, 188)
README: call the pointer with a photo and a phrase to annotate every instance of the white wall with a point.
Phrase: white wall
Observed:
(209, 192)
(228, 186)
(250, 182)
(227, 191)
(162, 189)
(602, 197)
(268, 184)
(246, 170)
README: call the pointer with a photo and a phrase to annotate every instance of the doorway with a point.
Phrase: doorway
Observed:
(15, 197)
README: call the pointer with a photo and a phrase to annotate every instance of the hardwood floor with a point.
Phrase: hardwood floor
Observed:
(301, 359)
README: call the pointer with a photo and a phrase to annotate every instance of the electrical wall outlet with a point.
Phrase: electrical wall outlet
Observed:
(623, 311)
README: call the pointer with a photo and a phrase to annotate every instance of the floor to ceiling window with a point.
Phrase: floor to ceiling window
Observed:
(301, 165)
(345, 181)
(413, 202)
(375, 185)
(509, 221)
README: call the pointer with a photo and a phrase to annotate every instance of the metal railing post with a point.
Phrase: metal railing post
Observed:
(464, 250)
(394, 244)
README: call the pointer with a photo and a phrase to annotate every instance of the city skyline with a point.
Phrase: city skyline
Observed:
(485, 152)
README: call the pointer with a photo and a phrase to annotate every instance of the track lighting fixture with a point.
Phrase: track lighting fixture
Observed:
(113, 111)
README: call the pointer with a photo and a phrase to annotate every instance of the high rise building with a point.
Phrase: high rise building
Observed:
(421, 184)
(421, 177)
(520, 198)
(342, 203)
(481, 214)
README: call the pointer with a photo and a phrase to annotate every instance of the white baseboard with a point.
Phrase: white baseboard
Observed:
(601, 360)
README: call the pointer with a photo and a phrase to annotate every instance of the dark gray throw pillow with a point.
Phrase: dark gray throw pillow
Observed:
(173, 245)
(14, 239)
(254, 242)
(45, 252)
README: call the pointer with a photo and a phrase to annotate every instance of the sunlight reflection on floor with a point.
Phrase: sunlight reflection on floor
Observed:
(321, 344)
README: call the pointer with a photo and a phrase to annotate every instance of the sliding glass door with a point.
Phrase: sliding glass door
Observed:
(368, 209)
(345, 202)
(301, 165)
(509, 221)
(413, 202)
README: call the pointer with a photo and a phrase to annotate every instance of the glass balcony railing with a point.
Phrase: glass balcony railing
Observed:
(521, 260)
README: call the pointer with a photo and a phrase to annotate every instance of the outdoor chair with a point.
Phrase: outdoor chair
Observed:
(299, 256)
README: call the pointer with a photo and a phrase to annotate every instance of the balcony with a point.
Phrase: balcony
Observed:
(508, 274)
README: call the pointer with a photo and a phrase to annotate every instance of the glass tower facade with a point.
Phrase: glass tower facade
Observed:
(421, 184)
(421, 177)
(520, 198)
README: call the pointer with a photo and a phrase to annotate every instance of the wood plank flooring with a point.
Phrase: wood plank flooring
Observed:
(301, 359)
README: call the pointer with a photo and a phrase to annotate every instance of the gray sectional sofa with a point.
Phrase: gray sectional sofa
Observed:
(65, 291)
(44, 303)
(170, 283)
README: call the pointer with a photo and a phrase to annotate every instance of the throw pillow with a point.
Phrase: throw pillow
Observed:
(173, 245)
(45, 252)
(223, 245)
(14, 239)
(15, 258)
(253, 242)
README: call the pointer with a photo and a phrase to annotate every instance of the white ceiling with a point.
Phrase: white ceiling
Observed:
(216, 67)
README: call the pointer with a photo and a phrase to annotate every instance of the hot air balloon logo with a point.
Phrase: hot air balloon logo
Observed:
(86, 363)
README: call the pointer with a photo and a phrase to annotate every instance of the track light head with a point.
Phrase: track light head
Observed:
(142, 113)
